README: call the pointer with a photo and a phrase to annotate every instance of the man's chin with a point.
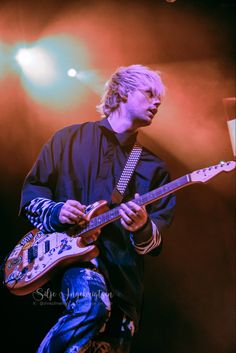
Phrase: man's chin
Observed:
(144, 122)
(147, 121)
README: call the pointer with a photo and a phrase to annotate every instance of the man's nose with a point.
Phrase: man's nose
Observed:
(156, 102)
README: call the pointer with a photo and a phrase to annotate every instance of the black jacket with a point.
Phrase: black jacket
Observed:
(84, 162)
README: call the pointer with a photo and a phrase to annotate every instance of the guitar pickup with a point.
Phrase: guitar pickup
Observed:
(47, 246)
(32, 253)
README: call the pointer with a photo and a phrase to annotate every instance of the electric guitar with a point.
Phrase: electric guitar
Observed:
(37, 256)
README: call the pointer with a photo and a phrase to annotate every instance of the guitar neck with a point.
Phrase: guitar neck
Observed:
(201, 175)
(143, 200)
(164, 190)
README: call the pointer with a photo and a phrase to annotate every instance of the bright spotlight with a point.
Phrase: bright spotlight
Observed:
(36, 64)
(24, 57)
(89, 78)
(72, 73)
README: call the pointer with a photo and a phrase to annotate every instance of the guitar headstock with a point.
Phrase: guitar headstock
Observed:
(205, 174)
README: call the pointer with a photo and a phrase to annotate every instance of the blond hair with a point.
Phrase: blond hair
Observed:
(125, 80)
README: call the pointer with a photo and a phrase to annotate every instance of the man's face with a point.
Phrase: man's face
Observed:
(142, 106)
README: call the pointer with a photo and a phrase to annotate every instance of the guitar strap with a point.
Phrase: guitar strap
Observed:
(132, 161)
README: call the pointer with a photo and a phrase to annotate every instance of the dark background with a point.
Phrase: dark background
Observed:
(189, 303)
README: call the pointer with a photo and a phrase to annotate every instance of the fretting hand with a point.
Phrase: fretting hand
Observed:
(133, 216)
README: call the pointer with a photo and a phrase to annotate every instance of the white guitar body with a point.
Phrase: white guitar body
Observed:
(38, 256)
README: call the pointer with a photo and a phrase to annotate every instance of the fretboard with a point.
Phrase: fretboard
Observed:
(143, 200)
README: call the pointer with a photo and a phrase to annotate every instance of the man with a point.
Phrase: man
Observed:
(80, 165)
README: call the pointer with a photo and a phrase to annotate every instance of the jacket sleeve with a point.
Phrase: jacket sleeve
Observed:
(44, 214)
(161, 214)
(152, 238)
(41, 179)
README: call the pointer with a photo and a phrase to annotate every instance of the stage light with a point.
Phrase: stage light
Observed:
(24, 57)
(46, 69)
(90, 78)
(47, 66)
(72, 73)
(36, 64)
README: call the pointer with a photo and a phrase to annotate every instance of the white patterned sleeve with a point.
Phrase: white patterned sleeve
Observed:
(153, 242)
(43, 214)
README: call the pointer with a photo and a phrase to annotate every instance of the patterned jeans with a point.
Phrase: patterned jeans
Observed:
(89, 325)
